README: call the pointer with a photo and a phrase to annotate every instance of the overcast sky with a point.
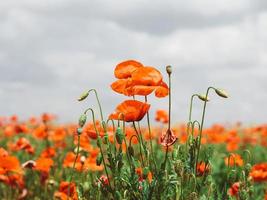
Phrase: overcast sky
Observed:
(53, 50)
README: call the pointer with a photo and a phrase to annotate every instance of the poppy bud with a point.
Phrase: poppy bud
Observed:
(232, 176)
(131, 151)
(221, 93)
(98, 142)
(76, 150)
(105, 139)
(79, 131)
(82, 120)
(203, 97)
(248, 168)
(83, 96)
(99, 160)
(119, 135)
(169, 69)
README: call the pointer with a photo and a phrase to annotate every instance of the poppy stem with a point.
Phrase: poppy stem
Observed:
(140, 143)
(191, 107)
(98, 102)
(202, 123)
(169, 122)
(73, 167)
(99, 143)
(150, 138)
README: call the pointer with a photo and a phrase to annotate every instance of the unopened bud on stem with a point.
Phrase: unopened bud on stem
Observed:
(169, 69)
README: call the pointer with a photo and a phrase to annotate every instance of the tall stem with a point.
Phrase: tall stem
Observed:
(191, 106)
(169, 122)
(100, 146)
(150, 138)
(140, 143)
(202, 123)
(73, 167)
(98, 102)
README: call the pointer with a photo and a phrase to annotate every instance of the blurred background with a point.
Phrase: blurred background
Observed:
(53, 50)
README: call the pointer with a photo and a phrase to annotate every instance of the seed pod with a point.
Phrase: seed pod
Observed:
(131, 151)
(221, 93)
(83, 96)
(99, 160)
(203, 97)
(119, 135)
(79, 131)
(82, 120)
(169, 69)
(193, 196)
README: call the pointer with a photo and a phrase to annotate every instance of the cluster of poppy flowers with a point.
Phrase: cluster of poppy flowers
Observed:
(39, 146)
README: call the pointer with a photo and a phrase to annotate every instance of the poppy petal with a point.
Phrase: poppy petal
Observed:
(125, 69)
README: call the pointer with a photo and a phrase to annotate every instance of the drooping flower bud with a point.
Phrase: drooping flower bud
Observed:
(83, 158)
(221, 93)
(99, 160)
(131, 151)
(119, 135)
(83, 96)
(169, 69)
(82, 120)
(105, 138)
(203, 97)
(98, 142)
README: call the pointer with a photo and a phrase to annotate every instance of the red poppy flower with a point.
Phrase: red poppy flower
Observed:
(235, 159)
(234, 189)
(148, 76)
(130, 111)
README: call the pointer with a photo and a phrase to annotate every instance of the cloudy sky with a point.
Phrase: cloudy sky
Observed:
(53, 50)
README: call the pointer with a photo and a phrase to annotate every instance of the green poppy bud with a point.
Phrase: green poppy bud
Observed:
(119, 135)
(221, 93)
(105, 139)
(83, 96)
(82, 120)
(99, 160)
(98, 142)
(131, 151)
(203, 97)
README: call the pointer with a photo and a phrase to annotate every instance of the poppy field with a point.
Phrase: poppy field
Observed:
(131, 154)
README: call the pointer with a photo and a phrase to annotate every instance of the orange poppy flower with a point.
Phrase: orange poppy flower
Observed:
(67, 191)
(49, 152)
(148, 76)
(132, 110)
(44, 164)
(162, 116)
(22, 144)
(9, 163)
(125, 69)
(69, 161)
(235, 159)
(259, 172)
(202, 168)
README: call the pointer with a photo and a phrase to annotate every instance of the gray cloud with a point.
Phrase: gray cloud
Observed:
(51, 51)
